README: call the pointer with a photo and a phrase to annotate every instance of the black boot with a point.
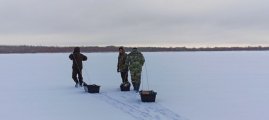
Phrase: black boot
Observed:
(136, 88)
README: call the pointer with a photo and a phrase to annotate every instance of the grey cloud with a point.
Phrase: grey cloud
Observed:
(134, 22)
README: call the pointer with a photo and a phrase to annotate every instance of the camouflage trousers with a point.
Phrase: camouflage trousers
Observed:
(136, 80)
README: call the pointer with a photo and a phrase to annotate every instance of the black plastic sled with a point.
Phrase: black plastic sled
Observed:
(125, 86)
(148, 96)
(92, 88)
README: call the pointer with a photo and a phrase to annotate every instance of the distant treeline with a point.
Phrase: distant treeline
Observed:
(45, 49)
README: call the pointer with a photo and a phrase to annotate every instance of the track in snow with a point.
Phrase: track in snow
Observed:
(129, 102)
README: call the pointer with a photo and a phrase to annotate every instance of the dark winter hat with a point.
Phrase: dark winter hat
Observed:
(121, 48)
(134, 49)
(76, 50)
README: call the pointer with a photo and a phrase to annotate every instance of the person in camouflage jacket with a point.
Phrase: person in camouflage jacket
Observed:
(77, 66)
(122, 67)
(135, 61)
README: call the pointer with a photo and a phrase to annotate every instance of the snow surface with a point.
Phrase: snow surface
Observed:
(190, 86)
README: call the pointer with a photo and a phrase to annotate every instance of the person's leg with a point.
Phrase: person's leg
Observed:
(138, 81)
(80, 77)
(136, 76)
(124, 76)
(133, 78)
(74, 76)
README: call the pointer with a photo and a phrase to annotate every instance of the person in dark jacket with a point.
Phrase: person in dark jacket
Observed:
(122, 67)
(77, 66)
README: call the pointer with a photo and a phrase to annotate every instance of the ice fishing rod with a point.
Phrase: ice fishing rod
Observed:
(146, 75)
(87, 76)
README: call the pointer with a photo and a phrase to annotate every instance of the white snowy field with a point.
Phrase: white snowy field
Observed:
(190, 86)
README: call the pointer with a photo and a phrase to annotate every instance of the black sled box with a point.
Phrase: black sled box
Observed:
(148, 96)
(125, 86)
(92, 88)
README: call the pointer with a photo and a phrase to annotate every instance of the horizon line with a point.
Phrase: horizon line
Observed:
(139, 46)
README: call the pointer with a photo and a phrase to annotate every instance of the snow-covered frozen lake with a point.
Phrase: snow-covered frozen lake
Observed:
(190, 86)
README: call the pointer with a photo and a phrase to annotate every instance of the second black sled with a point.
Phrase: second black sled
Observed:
(148, 96)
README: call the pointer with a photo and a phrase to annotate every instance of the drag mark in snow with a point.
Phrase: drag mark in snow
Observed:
(129, 103)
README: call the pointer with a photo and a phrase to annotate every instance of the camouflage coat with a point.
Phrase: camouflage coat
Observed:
(135, 61)
(122, 67)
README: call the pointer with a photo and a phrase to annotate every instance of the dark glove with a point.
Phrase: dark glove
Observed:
(118, 70)
(71, 56)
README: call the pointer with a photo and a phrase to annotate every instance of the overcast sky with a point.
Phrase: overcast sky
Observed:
(173, 23)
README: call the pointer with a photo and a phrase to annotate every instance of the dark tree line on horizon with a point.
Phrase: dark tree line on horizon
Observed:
(45, 49)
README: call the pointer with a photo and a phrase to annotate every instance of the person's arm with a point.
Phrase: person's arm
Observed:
(84, 58)
(118, 69)
(125, 57)
(71, 57)
(127, 61)
(126, 67)
(142, 59)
